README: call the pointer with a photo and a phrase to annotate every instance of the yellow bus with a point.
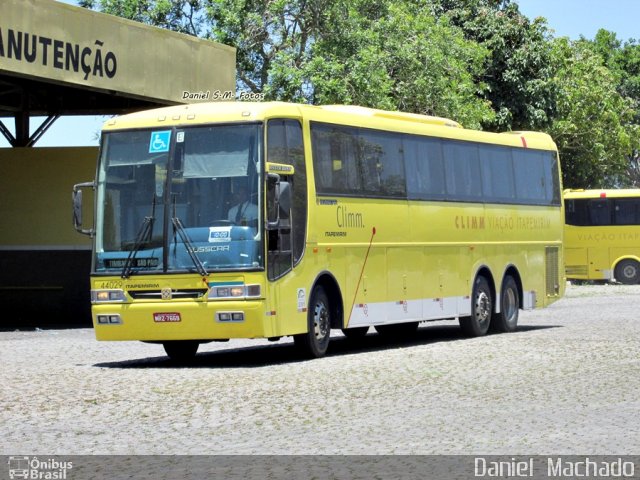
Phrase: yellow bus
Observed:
(265, 220)
(602, 235)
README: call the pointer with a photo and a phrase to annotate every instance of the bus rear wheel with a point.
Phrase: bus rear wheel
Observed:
(478, 323)
(507, 319)
(627, 272)
(181, 350)
(315, 342)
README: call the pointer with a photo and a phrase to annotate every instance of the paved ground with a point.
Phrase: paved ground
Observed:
(567, 382)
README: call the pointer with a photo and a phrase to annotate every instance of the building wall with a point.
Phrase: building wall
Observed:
(44, 262)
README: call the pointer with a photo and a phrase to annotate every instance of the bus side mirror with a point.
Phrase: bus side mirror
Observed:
(77, 207)
(278, 202)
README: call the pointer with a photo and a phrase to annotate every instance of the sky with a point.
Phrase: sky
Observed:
(573, 18)
(567, 18)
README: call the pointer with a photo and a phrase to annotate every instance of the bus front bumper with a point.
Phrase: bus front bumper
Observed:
(182, 321)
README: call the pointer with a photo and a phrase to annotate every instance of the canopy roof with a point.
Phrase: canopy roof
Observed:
(57, 59)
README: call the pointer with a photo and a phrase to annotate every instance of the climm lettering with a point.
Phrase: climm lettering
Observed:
(45, 51)
(346, 219)
(470, 222)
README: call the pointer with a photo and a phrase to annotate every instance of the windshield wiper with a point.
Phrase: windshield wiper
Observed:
(179, 229)
(144, 236)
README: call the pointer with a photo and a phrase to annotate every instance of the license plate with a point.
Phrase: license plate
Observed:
(166, 317)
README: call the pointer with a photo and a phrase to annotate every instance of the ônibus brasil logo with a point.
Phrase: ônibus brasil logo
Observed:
(36, 469)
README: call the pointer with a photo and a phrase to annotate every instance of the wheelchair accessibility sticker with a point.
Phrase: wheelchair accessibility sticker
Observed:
(159, 141)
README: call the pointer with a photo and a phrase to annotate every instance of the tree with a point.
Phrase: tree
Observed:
(397, 56)
(623, 61)
(518, 71)
(184, 16)
(593, 123)
(272, 39)
(377, 53)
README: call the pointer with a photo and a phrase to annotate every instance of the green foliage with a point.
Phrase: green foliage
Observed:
(592, 126)
(178, 15)
(480, 62)
(623, 62)
(272, 40)
(518, 69)
(383, 54)
(397, 57)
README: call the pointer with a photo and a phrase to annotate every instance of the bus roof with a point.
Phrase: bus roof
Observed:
(602, 193)
(212, 112)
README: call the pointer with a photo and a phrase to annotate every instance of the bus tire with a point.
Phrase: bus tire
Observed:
(507, 319)
(181, 350)
(315, 342)
(478, 323)
(627, 271)
(355, 333)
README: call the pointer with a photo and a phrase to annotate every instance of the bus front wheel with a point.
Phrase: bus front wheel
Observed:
(315, 342)
(478, 323)
(181, 350)
(627, 272)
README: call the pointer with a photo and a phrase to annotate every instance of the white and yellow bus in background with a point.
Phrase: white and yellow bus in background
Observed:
(351, 218)
(602, 235)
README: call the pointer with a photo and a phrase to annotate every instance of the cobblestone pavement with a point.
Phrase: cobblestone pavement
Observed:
(567, 382)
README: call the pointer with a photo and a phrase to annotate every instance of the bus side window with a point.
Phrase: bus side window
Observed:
(382, 164)
(424, 167)
(322, 163)
(600, 212)
(335, 159)
(531, 179)
(498, 181)
(577, 212)
(627, 211)
(344, 144)
(462, 171)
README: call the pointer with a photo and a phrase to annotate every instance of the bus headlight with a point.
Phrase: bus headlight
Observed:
(230, 316)
(232, 292)
(113, 319)
(112, 296)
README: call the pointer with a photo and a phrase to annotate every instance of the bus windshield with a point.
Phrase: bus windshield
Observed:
(181, 199)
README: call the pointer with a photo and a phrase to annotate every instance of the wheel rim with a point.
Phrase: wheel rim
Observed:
(629, 271)
(483, 307)
(320, 321)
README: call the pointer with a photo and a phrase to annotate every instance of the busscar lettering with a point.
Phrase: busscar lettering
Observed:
(62, 55)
